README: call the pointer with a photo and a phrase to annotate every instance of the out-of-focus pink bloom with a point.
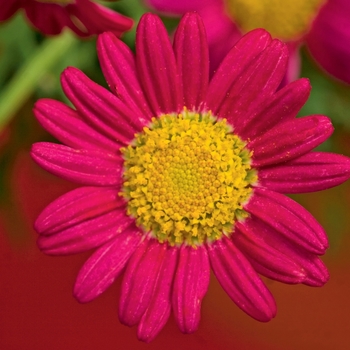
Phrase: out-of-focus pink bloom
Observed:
(83, 17)
(181, 173)
(326, 35)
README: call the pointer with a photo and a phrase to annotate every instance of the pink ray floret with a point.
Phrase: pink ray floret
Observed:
(278, 238)
(83, 17)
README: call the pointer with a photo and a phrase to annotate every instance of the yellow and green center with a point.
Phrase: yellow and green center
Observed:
(187, 177)
(284, 19)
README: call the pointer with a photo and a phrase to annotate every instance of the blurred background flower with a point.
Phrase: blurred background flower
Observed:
(38, 310)
(322, 25)
(83, 17)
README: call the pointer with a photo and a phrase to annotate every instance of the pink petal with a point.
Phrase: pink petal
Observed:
(101, 109)
(222, 32)
(190, 285)
(328, 40)
(256, 83)
(290, 140)
(77, 206)
(240, 281)
(179, 6)
(105, 265)
(158, 311)
(237, 60)
(318, 275)
(139, 281)
(85, 235)
(84, 17)
(192, 57)
(314, 171)
(289, 218)
(88, 167)
(156, 65)
(118, 66)
(294, 62)
(50, 19)
(315, 273)
(65, 124)
(259, 252)
(93, 18)
(282, 106)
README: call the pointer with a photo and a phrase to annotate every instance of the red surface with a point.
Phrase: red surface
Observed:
(39, 312)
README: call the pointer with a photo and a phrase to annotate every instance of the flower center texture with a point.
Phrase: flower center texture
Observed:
(284, 19)
(186, 178)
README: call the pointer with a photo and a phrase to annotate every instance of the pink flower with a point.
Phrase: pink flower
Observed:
(170, 191)
(83, 17)
(323, 25)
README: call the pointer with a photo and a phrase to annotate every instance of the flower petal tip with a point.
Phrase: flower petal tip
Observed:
(40, 105)
(42, 245)
(148, 18)
(145, 335)
(318, 275)
(82, 296)
(192, 16)
(105, 37)
(304, 83)
(35, 151)
(70, 74)
(261, 33)
(265, 312)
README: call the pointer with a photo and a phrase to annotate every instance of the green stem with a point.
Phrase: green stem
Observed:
(26, 79)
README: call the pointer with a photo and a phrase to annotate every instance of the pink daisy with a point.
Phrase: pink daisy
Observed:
(182, 174)
(83, 17)
(322, 25)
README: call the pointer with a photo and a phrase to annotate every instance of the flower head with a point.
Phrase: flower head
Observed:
(181, 174)
(83, 17)
(320, 24)
(186, 178)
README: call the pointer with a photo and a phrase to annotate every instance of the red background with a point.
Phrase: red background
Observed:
(38, 310)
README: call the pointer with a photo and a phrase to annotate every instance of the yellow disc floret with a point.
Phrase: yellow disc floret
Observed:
(186, 178)
(284, 19)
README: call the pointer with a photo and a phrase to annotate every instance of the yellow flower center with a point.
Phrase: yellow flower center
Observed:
(186, 178)
(284, 19)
